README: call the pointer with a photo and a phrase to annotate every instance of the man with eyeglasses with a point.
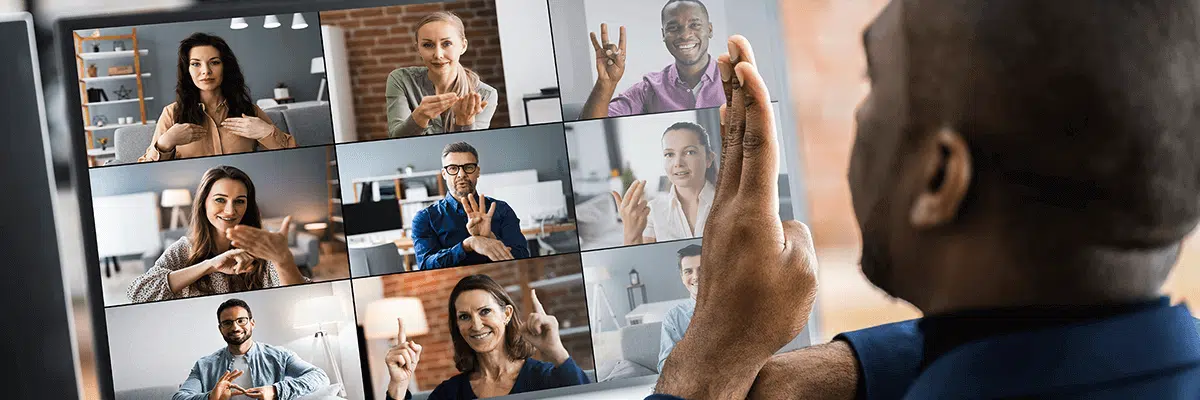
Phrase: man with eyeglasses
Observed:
(466, 227)
(248, 370)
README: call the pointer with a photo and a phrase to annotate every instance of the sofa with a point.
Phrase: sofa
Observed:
(639, 346)
(311, 126)
(305, 247)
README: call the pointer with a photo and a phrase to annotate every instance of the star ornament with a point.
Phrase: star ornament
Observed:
(124, 93)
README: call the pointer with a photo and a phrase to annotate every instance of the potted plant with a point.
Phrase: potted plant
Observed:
(103, 143)
(281, 91)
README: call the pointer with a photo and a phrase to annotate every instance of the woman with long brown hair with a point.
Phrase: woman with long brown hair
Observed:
(226, 249)
(212, 113)
(492, 347)
(442, 95)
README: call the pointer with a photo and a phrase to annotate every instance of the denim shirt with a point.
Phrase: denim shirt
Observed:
(439, 230)
(269, 365)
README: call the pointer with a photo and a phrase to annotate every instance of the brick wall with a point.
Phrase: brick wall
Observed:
(379, 40)
(566, 302)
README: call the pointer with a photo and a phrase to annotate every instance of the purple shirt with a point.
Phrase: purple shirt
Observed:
(664, 91)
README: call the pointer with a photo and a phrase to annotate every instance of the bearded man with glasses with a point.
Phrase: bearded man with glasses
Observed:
(466, 227)
(248, 370)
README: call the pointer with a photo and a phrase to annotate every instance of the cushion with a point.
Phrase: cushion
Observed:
(623, 369)
(131, 142)
(326, 393)
(310, 125)
(639, 344)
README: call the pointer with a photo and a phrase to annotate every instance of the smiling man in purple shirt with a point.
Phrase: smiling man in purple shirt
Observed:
(691, 82)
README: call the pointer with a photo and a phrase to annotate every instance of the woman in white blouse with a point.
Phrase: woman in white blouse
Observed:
(690, 165)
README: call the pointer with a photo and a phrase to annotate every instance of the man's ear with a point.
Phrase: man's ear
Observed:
(710, 30)
(945, 178)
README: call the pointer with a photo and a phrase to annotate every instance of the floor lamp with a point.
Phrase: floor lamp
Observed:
(174, 199)
(320, 312)
(600, 274)
(382, 316)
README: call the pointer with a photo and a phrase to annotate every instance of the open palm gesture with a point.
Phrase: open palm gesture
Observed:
(479, 215)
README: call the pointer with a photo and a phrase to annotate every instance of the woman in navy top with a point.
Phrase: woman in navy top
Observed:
(492, 347)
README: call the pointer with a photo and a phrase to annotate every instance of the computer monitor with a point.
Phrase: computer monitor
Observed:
(40, 319)
(214, 112)
(372, 216)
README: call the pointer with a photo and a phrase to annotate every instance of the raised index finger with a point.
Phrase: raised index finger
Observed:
(537, 305)
(401, 337)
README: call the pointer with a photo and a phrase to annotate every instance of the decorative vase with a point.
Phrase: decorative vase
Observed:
(91, 71)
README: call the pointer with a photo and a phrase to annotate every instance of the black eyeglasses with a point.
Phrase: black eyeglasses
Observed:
(453, 169)
(240, 321)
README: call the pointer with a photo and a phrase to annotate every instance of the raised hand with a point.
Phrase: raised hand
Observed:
(225, 388)
(610, 58)
(401, 360)
(493, 249)
(264, 244)
(249, 127)
(479, 222)
(755, 251)
(541, 331)
(466, 108)
(179, 135)
(232, 262)
(433, 106)
(634, 210)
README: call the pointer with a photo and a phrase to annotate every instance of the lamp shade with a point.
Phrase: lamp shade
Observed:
(315, 226)
(298, 21)
(382, 315)
(271, 22)
(316, 311)
(318, 65)
(176, 198)
(238, 23)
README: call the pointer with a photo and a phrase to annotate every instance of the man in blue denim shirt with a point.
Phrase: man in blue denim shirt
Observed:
(246, 369)
(466, 227)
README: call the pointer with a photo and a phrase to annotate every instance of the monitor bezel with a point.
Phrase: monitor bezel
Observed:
(80, 179)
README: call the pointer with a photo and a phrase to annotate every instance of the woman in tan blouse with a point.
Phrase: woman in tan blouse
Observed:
(212, 113)
(226, 249)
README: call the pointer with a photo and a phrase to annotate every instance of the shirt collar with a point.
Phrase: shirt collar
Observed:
(711, 73)
(707, 193)
(249, 353)
(1135, 344)
(220, 106)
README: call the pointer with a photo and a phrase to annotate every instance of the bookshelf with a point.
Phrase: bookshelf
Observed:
(82, 58)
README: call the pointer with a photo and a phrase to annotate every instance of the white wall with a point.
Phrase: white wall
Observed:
(527, 50)
(658, 269)
(157, 344)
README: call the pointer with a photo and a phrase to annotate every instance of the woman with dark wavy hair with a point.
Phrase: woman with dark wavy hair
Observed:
(212, 113)
(492, 347)
(226, 249)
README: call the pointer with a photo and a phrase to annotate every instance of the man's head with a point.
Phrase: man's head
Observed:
(235, 321)
(689, 268)
(686, 30)
(460, 168)
(1045, 148)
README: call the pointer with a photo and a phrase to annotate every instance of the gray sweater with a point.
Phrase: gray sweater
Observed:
(405, 88)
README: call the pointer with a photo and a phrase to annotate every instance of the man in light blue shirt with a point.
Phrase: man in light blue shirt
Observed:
(246, 369)
(676, 322)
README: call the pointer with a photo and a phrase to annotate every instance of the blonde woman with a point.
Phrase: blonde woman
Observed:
(442, 95)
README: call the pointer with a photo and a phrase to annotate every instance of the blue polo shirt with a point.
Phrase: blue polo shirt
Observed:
(439, 230)
(1153, 353)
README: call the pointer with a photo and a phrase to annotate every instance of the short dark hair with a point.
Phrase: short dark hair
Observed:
(689, 251)
(696, 2)
(231, 303)
(1091, 128)
(460, 147)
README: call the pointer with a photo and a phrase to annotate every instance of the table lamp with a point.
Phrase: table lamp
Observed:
(318, 67)
(176, 198)
(318, 312)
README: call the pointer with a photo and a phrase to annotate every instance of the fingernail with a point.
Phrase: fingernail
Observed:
(726, 71)
(739, 75)
(608, 52)
(735, 54)
(610, 62)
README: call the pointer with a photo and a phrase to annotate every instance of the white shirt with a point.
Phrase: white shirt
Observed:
(667, 221)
